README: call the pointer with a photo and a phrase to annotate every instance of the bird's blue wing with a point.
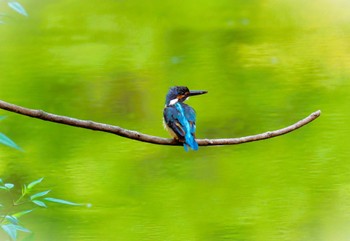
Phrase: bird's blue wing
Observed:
(191, 117)
(180, 118)
(186, 118)
(171, 116)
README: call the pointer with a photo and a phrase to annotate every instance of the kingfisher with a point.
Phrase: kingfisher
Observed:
(179, 118)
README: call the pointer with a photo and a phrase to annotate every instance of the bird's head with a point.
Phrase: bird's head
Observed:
(180, 94)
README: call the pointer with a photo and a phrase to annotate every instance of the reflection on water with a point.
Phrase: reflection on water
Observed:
(265, 67)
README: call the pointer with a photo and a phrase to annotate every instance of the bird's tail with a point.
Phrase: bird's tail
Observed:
(190, 142)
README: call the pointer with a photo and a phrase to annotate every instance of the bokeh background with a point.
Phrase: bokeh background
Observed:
(266, 64)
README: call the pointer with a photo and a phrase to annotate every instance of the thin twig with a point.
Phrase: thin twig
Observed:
(87, 124)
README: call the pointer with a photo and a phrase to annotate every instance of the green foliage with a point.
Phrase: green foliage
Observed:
(10, 214)
(32, 184)
(55, 200)
(7, 141)
(17, 7)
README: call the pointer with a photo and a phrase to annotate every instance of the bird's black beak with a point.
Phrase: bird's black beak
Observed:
(197, 92)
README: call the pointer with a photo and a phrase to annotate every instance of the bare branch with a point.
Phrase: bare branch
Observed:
(87, 124)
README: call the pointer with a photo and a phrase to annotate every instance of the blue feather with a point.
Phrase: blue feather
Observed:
(187, 118)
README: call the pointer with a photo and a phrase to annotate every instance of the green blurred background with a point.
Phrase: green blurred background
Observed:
(266, 64)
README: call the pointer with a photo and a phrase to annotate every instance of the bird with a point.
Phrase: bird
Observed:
(180, 119)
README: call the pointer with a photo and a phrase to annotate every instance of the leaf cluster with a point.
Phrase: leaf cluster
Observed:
(9, 216)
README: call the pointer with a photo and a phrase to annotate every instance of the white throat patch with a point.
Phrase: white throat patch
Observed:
(173, 101)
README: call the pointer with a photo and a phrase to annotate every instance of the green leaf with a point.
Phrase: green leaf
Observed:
(20, 214)
(56, 200)
(8, 142)
(32, 184)
(18, 8)
(23, 229)
(24, 190)
(11, 230)
(39, 203)
(12, 219)
(9, 185)
(2, 117)
(1, 181)
(39, 194)
(2, 187)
